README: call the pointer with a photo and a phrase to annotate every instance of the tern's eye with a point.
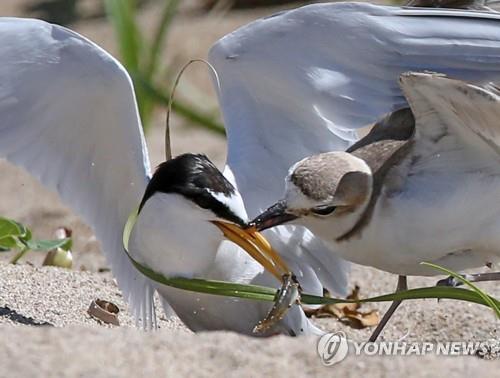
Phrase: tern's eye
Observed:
(204, 202)
(323, 210)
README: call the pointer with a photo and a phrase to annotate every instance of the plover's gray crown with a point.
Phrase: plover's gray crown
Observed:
(321, 176)
(342, 177)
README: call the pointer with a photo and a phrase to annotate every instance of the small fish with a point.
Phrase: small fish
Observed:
(287, 295)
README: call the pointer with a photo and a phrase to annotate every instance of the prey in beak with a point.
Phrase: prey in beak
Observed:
(256, 246)
(259, 248)
(273, 216)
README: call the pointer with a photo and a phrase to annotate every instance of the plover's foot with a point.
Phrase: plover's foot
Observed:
(402, 285)
(454, 282)
(449, 281)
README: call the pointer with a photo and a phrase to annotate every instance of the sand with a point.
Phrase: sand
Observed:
(47, 332)
(43, 311)
(87, 352)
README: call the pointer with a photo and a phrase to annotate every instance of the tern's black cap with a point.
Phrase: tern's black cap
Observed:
(196, 178)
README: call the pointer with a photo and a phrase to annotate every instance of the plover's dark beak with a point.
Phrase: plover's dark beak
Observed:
(256, 246)
(273, 216)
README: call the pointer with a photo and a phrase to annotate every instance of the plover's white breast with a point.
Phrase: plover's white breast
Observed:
(449, 218)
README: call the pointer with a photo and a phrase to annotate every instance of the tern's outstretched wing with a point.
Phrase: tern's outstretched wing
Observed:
(68, 115)
(298, 82)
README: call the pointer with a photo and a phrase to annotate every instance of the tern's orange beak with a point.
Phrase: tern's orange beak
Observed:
(256, 246)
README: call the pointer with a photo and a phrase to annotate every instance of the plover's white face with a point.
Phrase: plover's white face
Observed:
(327, 193)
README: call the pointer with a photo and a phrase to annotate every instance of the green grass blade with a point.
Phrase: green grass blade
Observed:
(121, 14)
(167, 16)
(141, 60)
(490, 302)
(187, 112)
(436, 292)
(210, 286)
(268, 294)
(131, 44)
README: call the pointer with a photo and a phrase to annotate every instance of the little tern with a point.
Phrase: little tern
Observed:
(69, 116)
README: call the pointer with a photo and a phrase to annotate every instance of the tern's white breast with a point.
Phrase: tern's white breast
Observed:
(173, 236)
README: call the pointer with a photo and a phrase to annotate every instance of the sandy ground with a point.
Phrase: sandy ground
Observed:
(47, 332)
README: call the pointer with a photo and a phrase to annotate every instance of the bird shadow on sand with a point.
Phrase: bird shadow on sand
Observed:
(16, 317)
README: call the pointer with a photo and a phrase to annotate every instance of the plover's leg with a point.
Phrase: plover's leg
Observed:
(402, 285)
(478, 277)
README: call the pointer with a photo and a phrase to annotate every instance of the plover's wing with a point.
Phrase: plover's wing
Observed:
(456, 122)
(68, 115)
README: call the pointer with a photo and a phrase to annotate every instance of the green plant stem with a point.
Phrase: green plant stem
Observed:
(141, 60)
(121, 13)
(159, 37)
(418, 293)
(19, 255)
(179, 107)
(269, 294)
(192, 115)
(263, 293)
(491, 303)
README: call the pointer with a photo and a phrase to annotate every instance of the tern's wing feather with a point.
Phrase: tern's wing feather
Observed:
(298, 83)
(453, 118)
(68, 115)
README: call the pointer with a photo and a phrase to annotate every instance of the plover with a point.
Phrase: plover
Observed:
(314, 75)
(421, 186)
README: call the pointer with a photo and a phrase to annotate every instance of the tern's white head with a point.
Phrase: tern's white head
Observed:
(187, 210)
(176, 229)
(196, 180)
(334, 187)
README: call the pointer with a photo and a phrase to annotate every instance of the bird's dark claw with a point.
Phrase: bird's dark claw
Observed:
(449, 281)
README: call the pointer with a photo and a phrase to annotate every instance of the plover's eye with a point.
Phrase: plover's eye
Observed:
(323, 210)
